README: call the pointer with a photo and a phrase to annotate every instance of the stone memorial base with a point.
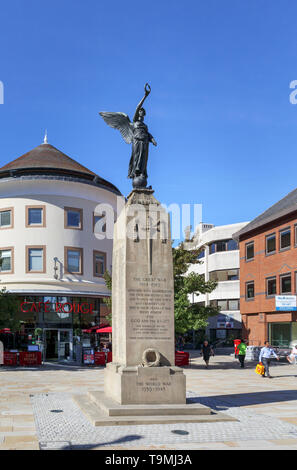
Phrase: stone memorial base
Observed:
(145, 385)
(104, 411)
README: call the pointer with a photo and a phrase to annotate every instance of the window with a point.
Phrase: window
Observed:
(73, 218)
(201, 254)
(35, 216)
(250, 290)
(35, 259)
(99, 260)
(224, 275)
(74, 260)
(234, 304)
(271, 286)
(232, 245)
(224, 305)
(249, 251)
(223, 245)
(6, 256)
(99, 223)
(6, 218)
(285, 239)
(285, 284)
(270, 244)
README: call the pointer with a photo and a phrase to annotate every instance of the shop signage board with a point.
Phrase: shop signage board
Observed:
(32, 358)
(285, 303)
(10, 358)
(88, 356)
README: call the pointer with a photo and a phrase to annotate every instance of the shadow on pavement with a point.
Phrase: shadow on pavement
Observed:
(245, 399)
(123, 440)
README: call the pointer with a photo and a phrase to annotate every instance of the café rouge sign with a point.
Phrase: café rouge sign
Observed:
(57, 307)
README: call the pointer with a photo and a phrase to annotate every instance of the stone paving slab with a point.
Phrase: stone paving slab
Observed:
(266, 410)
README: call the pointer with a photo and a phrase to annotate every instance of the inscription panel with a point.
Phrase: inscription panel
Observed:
(150, 309)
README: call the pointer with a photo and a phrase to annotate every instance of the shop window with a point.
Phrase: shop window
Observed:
(6, 218)
(73, 218)
(35, 216)
(35, 262)
(249, 251)
(250, 290)
(6, 257)
(270, 244)
(285, 284)
(74, 260)
(285, 239)
(271, 286)
(99, 260)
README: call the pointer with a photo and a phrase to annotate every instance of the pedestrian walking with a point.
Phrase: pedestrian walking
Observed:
(206, 352)
(241, 348)
(292, 358)
(266, 354)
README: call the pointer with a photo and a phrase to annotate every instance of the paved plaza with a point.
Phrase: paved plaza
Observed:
(37, 410)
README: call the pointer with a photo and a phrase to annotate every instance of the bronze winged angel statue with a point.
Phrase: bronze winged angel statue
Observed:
(137, 134)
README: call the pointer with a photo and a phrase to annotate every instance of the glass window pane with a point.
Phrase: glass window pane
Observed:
(285, 284)
(232, 245)
(234, 304)
(271, 286)
(99, 264)
(270, 244)
(73, 261)
(223, 304)
(250, 294)
(35, 216)
(35, 259)
(285, 239)
(221, 246)
(5, 256)
(73, 218)
(5, 218)
(250, 251)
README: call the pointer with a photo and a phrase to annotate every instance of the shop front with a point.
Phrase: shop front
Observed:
(53, 325)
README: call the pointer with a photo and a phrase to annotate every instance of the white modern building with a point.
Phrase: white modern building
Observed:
(219, 261)
(53, 255)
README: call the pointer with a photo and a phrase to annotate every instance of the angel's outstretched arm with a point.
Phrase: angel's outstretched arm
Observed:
(147, 90)
(152, 140)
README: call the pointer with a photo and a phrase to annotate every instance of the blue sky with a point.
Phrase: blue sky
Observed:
(219, 107)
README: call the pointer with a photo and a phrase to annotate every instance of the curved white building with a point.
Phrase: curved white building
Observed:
(220, 262)
(54, 255)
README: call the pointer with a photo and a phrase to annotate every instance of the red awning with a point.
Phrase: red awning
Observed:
(107, 329)
(94, 329)
(6, 330)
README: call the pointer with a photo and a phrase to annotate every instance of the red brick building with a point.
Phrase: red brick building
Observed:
(268, 269)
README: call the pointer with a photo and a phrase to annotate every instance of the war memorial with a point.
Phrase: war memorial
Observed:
(142, 384)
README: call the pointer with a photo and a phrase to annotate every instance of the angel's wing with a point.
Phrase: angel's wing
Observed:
(121, 122)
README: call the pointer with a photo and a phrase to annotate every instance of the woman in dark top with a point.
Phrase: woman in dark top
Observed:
(206, 352)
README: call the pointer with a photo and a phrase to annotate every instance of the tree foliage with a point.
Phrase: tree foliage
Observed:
(8, 307)
(189, 315)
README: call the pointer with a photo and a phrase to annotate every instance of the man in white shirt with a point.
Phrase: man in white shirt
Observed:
(265, 356)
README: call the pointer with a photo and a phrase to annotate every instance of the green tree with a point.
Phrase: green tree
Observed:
(9, 305)
(107, 300)
(189, 315)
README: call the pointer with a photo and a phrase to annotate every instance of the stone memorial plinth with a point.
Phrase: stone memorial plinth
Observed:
(143, 369)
